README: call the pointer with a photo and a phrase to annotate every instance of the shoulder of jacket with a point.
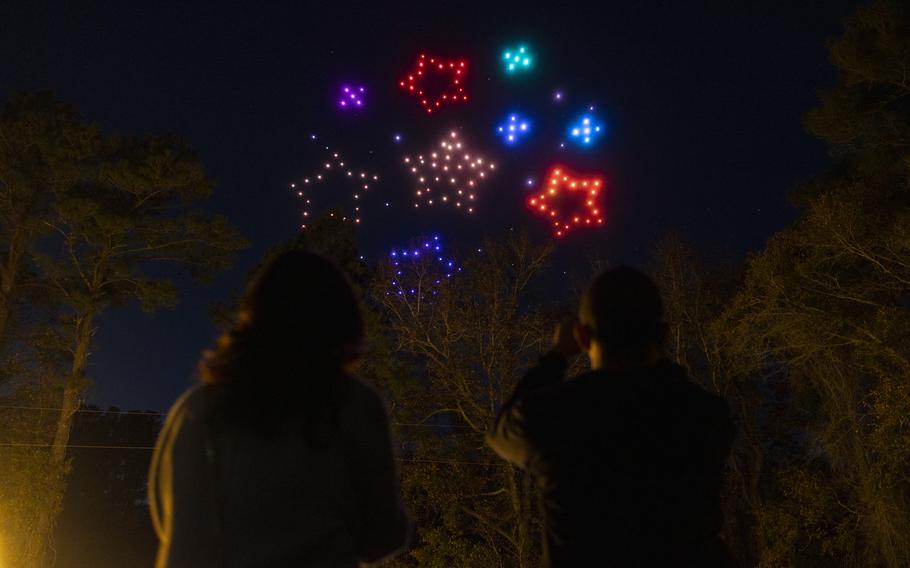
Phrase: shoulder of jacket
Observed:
(363, 398)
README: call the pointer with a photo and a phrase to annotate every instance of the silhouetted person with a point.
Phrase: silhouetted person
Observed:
(280, 457)
(629, 456)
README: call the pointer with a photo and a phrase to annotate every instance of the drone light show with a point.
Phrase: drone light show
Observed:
(313, 187)
(514, 129)
(585, 130)
(449, 174)
(569, 201)
(517, 60)
(351, 97)
(436, 82)
(420, 268)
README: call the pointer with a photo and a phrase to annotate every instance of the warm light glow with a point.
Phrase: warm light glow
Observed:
(568, 213)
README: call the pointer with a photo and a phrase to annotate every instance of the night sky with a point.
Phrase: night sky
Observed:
(702, 105)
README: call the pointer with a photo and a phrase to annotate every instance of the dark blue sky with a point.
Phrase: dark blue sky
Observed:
(703, 103)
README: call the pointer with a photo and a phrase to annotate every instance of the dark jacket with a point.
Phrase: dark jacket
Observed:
(222, 497)
(629, 463)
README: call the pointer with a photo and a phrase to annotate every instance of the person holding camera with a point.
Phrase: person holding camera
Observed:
(628, 457)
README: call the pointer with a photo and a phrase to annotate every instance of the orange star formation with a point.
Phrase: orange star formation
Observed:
(569, 201)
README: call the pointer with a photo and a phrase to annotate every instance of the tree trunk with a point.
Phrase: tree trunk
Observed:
(68, 407)
(9, 278)
(525, 558)
(72, 390)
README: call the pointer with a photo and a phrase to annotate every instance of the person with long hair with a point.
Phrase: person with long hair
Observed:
(280, 456)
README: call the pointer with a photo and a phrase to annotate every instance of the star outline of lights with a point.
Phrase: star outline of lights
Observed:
(427, 249)
(336, 163)
(561, 179)
(436, 170)
(413, 82)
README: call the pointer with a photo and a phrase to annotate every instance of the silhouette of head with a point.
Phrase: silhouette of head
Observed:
(622, 311)
(298, 325)
(302, 301)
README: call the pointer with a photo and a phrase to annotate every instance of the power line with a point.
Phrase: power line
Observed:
(491, 464)
(148, 448)
(77, 446)
(154, 413)
(85, 410)
(425, 425)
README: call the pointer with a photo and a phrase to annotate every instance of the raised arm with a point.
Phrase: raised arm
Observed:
(509, 436)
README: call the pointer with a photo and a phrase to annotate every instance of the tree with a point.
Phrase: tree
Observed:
(44, 147)
(825, 307)
(866, 118)
(695, 300)
(89, 222)
(109, 231)
(818, 306)
(473, 334)
(44, 151)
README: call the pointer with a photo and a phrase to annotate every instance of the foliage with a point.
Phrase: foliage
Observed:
(820, 326)
(31, 490)
(809, 341)
(45, 149)
(866, 117)
(473, 334)
(447, 356)
(89, 222)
